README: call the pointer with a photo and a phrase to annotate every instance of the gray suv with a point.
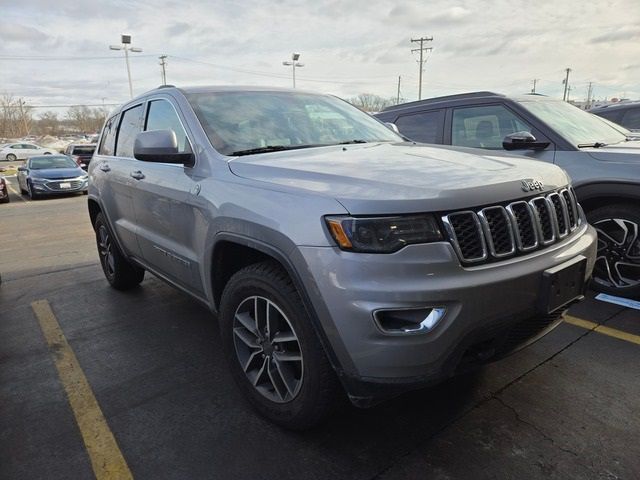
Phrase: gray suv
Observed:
(602, 159)
(335, 255)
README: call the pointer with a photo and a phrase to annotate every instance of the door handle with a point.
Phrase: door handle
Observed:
(105, 168)
(137, 174)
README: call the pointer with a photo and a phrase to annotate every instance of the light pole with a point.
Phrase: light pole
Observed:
(126, 46)
(293, 64)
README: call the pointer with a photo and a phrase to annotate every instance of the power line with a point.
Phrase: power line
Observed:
(39, 58)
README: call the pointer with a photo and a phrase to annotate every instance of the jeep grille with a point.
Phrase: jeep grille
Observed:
(502, 231)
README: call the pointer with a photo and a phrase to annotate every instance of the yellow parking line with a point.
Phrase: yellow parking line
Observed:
(596, 327)
(106, 458)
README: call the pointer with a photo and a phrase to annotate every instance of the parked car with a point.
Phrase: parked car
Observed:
(81, 153)
(51, 175)
(332, 250)
(602, 161)
(20, 151)
(626, 114)
(4, 190)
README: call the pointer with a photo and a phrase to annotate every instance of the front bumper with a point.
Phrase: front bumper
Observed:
(489, 303)
(63, 186)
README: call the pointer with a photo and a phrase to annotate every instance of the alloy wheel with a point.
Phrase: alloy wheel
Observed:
(105, 250)
(268, 349)
(618, 260)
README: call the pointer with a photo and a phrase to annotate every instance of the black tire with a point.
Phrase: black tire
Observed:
(615, 271)
(318, 389)
(120, 273)
(6, 199)
(11, 157)
(32, 195)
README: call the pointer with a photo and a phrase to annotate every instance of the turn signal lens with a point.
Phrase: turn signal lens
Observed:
(338, 234)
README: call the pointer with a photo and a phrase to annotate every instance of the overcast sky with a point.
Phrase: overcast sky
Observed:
(348, 47)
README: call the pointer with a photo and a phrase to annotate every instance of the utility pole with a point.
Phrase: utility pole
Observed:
(293, 64)
(568, 92)
(24, 117)
(163, 65)
(566, 84)
(422, 49)
(589, 94)
(126, 46)
(398, 95)
(535, 81)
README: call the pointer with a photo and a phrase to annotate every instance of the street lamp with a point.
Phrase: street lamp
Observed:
(293, 64)
(126, 46)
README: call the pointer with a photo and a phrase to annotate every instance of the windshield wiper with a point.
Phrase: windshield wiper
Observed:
(269, 148)
(594, 145)
(350, 142)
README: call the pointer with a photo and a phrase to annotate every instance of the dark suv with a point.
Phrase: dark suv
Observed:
(626, 114)
(602, 161)
(81, 153)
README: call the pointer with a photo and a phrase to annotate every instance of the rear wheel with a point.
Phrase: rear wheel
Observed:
(273, 353)
(11, 157)
(120, 273)
(617, 268)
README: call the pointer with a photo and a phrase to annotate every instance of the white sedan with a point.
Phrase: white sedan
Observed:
(20, 151)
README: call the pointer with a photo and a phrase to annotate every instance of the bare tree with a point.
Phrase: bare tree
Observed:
(48, 123)
(370, 102)
(85, 119)
(15, 116)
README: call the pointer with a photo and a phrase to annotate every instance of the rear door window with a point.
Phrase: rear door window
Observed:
(425, 127)
(130, 126)
(162, 116)
(484, 126)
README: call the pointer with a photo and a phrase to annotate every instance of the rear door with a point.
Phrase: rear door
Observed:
(165, 206)
(113, 175)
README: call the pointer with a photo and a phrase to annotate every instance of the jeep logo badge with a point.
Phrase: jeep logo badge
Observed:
(531, 185)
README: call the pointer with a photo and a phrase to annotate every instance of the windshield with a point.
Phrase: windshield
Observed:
(242, 122)
(575, 125)
(42, 163)
(84, 150)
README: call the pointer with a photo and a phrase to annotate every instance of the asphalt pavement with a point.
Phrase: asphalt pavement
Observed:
(567, 407)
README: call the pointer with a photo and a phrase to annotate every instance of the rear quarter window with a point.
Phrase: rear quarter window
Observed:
(425, 127)
(108, 140)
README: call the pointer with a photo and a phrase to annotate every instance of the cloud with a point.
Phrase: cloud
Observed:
(426, 15)
(22, 34)
(627, 34)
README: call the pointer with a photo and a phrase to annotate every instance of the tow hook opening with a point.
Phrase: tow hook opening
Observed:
(408, 321)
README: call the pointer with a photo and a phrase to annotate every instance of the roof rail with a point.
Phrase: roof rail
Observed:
(445, 98)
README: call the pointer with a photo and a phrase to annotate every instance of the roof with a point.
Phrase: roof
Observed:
(615, 106)
(465, 96)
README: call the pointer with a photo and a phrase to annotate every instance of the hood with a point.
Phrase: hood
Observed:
(387, 178)
(57, 173)
(623, 152)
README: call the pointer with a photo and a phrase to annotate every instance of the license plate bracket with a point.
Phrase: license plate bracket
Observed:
(563, 284)
(65, 185)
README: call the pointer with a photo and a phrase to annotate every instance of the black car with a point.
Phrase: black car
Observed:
(51, 175)
(603, 160)
(81, 153)
(626, 114)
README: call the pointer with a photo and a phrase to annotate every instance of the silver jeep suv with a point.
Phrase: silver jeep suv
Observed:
(335, 254)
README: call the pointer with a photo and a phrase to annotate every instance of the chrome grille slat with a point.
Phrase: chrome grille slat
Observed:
(498, 232)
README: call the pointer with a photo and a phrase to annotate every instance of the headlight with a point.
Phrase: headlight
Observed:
(382, 234)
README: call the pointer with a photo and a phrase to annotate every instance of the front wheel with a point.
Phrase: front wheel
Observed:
(617, 268)
(31, 192)
(273, 353)
(120, 273)
(11, 157)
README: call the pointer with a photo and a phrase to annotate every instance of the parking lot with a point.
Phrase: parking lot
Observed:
(567, 407)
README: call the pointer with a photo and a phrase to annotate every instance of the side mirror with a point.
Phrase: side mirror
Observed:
(393, 127)
(522, 141)
(160, 146)
(22, 169)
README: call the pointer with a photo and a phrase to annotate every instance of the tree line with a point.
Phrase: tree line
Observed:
(18, 119)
